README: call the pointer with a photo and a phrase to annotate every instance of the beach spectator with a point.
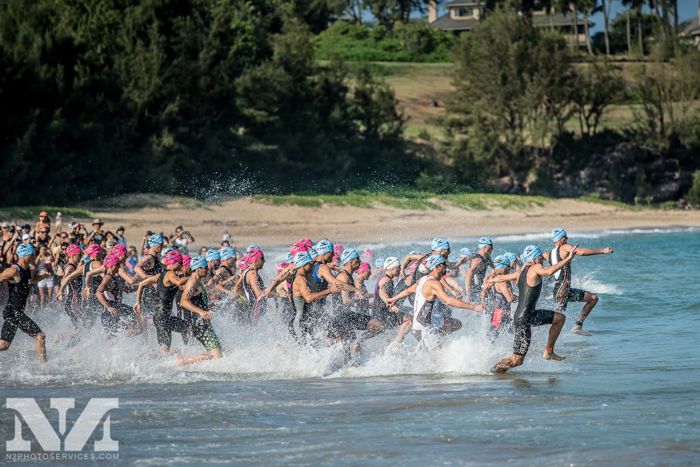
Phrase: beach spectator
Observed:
(181, 237)
(97, 234)
(43, 222)
(120, 235)
(132, 260)
(45, 272)
(41, 236)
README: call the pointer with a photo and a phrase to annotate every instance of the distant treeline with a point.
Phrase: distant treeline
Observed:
(107, 96)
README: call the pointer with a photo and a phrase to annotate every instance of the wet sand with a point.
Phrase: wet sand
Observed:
(250, 221)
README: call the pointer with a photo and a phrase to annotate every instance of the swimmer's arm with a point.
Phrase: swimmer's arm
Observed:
(100, 293)
(447, 299)
(178, 281)
(145, 261)
(253, 283)
(468, 276)
(503, 277)
(310, 297)
(146, 282)
(593, 251)
(403, 294)
(383, 296)
(407, 260)
(8, 274)
(506, 292)
(187, 304)
(66, 279)
(325, 272)
(92, 272)
(277, 281)
(449, 287)
(542, 271)
(131, 280)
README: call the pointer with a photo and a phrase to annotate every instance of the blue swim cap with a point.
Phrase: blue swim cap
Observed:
(197, 262)
(252, 247)
(558, 234)
(465, 252)
(439, 244)
(531, 253)
(510, 256)
(227, 253)
(434, 261)
(25, 249)
(313, 253)
(348, 255)
(302, 258)
(155, 239)
(289, 258)
(379, 263)
(212, 255)
(501, 261)
(452, 258)
(323, 247)
(485, 241)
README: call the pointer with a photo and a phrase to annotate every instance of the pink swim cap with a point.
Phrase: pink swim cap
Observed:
(294, 249)
(368, 254)
(111, 260)
(119, 250)
(304, 242)
(73, 250)
(173, 257)
(186, 260)
(281, 266)
(93, 250)
(243, 263)
(338, 248)
(254, 255)
(364, 267)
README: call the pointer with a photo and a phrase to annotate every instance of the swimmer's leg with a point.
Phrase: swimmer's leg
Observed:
(557, 324)
(591, 301)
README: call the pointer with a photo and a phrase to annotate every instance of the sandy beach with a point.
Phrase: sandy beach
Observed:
(249, 221)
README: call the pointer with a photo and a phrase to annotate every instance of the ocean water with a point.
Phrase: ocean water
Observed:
(628, 395)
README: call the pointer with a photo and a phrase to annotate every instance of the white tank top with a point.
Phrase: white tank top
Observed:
(554, 259)
(422, 308)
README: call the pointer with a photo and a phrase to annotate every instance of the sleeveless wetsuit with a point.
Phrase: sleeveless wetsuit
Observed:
(526, 315)
(165, 323)
(201, 328)
(92, 306)
(252, 308)
(563, 292)
(125, 316)
(72, 302)
(346, 319)
(424, 329)
(13, 313)
(380, 311)
(477, 280)
(317, 309)
(302, 324)
(150, 300)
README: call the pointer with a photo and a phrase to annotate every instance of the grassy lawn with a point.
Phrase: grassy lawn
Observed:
(32, 212)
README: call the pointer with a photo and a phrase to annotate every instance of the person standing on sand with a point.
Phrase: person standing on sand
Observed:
(526, 315)
(563, 292)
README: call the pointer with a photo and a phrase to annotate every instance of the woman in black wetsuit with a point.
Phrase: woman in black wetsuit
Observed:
(116, 316)
(92, 280)
(194, 299)
(253, 286)
(497, 299)
(73, 282)
(19, 280)
(167, 284)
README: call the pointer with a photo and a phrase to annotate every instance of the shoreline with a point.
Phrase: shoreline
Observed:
(255, 221)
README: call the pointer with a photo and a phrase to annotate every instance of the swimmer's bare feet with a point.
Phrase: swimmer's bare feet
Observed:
(579, 330)
(550, 355)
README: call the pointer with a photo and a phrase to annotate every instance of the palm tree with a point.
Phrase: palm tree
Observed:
(637, 5)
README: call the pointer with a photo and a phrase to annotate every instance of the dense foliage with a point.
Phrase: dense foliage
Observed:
(106, 96)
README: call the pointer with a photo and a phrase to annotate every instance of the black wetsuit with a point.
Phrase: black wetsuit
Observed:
(526, 315)
(346, 320)
(380, 311)
(252, 308)
(201, 328)
(125, 316)
(317, 309)
(13, 314)
(477, 279)
(91, 306)
(72, 303)
(164, 322)
(499, 310)
(302, 323)
(150, 300)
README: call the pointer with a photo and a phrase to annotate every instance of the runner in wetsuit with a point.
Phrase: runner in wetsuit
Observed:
(346, 320)
(323, 277)
(91, 281)
(194, 299)
(390, 316)
(498, 297)
(303, 296)
(116, 316)
(428, 325)
(526, 315)
(149, 266)
(167, 284)
(225, 274)
(186, 315)
(19, 278)
(253, 286)
(474, 277)
(73, 281)
(563, 292)
(439, 247)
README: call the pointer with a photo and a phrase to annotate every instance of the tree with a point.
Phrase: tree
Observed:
(637, 6)
(596, 88)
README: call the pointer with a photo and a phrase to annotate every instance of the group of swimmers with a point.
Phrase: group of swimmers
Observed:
(320, 290)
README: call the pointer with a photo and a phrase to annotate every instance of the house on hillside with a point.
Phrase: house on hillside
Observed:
(464, 15)
(690, 30)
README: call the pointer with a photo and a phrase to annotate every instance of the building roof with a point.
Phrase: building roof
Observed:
(446, 23)
(690, 27)
(465, 3)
